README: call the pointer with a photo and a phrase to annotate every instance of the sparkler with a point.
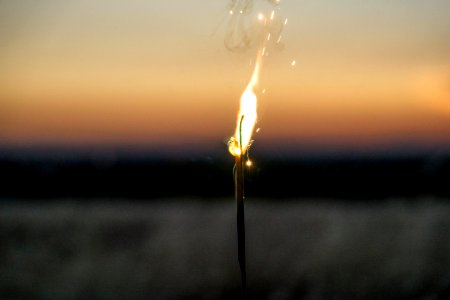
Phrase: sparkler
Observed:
(238, 147)
(239, 194)
(238, 144)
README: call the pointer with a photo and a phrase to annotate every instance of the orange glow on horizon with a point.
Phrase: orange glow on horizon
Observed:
(83, 72)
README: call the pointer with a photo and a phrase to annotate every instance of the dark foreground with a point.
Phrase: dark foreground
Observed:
(186, 249)
(55, 175)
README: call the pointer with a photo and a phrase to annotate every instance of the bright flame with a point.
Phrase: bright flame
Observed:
(247, 115)
(246, 119)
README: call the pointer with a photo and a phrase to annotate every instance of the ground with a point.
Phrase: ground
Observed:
(186, 249)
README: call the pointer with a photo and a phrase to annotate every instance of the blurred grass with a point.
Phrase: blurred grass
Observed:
(186, 249)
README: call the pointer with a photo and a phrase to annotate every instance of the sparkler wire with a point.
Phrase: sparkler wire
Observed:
(239, 185)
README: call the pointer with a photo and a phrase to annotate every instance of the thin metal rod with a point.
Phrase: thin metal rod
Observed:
(239, 186)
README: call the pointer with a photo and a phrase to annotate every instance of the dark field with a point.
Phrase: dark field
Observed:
(139, 175)
(99, 225)
(186, 249)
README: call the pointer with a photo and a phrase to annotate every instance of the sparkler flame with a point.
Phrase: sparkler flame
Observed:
(247, 116)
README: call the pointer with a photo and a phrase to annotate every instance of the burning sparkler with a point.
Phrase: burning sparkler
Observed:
(239, 144)
(238, 147)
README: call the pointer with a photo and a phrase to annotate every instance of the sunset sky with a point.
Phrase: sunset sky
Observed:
(368, 74)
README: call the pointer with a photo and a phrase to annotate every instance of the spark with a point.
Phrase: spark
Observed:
(293, 63)
(260, 17)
